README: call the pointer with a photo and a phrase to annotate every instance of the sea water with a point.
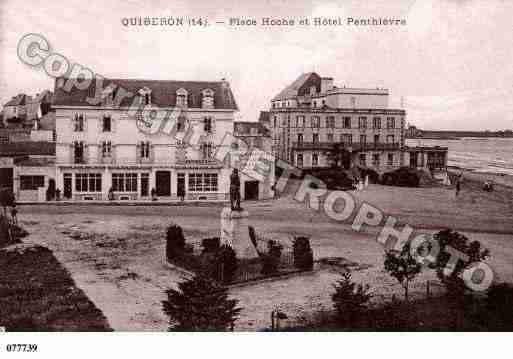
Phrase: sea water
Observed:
(491, 155)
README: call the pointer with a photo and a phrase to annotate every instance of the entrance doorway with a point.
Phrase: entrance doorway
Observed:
(180, 185)
(163, 183)
(67, 186)
(251, 190)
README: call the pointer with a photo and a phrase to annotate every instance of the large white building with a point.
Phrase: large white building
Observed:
(104, 151)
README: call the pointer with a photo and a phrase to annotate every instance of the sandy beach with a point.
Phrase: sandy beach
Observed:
(497, 179)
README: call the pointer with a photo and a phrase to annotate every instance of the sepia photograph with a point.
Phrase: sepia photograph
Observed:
(254, 167)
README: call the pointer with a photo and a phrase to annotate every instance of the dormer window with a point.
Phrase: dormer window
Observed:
(180, 123)
(108, 95)
(181, 97)
(145, 94)
(207, 98)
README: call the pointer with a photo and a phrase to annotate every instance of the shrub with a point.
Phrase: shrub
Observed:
(349, 299)
(175, 242)
(402, 177)
(210, 245)
(500, 302)
(226, 263)
(200, 305)
(459, 242)
(271, 260)
(303, 255)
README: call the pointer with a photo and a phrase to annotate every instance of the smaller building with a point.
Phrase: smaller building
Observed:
(433, 158)
(255, 135)
(28, 170)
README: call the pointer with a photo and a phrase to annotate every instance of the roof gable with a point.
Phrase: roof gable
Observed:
(298, 85)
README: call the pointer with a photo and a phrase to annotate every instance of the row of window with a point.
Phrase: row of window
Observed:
(107, 123)
(345, 122)
(125, 182)
(362, 159)
(145, 97)
(203, 182)
(144, 147)
(346, 138)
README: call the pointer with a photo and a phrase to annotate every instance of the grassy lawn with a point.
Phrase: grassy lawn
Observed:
(38, 294)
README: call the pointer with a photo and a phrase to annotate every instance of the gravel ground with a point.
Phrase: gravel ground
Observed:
(116, 254)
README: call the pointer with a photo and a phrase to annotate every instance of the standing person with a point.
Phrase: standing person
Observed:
(14, 213)
(458, 184)
(181, 191)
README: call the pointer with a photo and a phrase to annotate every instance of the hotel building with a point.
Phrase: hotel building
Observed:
(103, 153)
(312, 114)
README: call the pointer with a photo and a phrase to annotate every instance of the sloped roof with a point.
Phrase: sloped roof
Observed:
(163, 92)
(41, 148)
(18, 100)
(45, 96)
(292, 89)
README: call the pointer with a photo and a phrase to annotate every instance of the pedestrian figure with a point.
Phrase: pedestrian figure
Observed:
(181, 191)
(14, 213)
(458, 184)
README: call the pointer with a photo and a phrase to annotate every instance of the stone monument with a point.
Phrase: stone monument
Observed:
(234, 223)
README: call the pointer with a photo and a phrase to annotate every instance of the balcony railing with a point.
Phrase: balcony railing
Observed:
(352, 147)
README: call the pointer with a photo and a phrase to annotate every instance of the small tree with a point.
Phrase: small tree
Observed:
(303, 255)
(350, 299)
(402, 266)
(456, 241)
(200, 304)
(175, 242)
(338, 156)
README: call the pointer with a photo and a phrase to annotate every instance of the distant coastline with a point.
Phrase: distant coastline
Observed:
(456, 135)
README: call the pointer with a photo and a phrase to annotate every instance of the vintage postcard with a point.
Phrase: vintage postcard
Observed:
(243, 166)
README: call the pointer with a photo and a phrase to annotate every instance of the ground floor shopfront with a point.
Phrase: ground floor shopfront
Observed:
(131, 183)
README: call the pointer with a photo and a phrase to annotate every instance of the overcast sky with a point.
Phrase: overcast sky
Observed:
(452, 63)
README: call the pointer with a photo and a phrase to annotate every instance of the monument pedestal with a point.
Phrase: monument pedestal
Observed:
(235, 233)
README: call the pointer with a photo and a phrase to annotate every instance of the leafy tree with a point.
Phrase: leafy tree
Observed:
(338, 156)
(200, 304)
(402, 266)
(350, 299)
(449, 238)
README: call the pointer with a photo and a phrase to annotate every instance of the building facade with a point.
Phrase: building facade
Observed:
(311, 115)
(108, 149)
(255, 135)
(28, 170)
